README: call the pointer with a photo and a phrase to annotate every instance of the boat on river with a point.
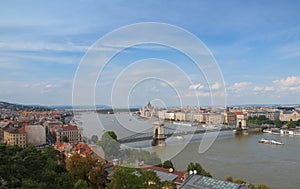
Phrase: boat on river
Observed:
(269, 141)
(185, 123)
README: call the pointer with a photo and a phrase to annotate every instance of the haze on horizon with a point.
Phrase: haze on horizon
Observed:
(256, 44)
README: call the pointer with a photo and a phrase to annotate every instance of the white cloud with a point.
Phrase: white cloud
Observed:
(197, 93)
(257, 88)
(196, 87)
(269, 89)
(216, 86)
(239, 86)
(289, 81)
(280, 88)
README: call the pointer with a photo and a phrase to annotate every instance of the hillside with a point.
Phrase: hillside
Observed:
(20, 107)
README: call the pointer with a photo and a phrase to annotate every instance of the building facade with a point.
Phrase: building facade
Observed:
(15, 136)
(229, 117)
(214, 118)
(72, 132)
(289, 115)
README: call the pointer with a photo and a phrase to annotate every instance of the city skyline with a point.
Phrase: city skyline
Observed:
(256, 45)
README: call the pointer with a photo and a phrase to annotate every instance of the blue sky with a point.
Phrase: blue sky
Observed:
(256, 45)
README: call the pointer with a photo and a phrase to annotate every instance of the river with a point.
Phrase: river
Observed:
(237, 156)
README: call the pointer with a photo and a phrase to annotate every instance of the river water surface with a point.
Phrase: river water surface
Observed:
(237, 156)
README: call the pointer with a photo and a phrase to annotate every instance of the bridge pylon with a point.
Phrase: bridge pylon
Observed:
(159, 134)
(241, 124)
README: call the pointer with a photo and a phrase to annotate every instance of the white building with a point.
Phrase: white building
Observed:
(214, 118)
(36, 135)
(180, 116)
(289, 115)
(161, 114)
(170, 115)
(199, 118)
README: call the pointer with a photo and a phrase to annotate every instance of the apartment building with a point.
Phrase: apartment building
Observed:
(72, 132)
(15, 136)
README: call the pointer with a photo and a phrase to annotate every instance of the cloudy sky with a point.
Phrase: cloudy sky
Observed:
(255, 44)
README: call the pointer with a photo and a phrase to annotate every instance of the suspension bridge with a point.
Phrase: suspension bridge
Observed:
(168, 132)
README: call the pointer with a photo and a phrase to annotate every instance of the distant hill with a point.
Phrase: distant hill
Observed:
(20, 107)
(70, 107)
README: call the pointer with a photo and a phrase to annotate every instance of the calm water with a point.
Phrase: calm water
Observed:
(237, 156)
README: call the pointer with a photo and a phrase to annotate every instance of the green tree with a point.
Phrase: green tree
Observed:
(168, 184)
(124, 178)
(168, 164)
(79, 166)
(200, 171)
(112, 135)
(130, 178)
(278, 123)
(291, 124)
(81, 184)
(240, 181)
(95, 139)
(229, 178)
(110, 144)
(98, 177)
(262, 186)
(32, 168)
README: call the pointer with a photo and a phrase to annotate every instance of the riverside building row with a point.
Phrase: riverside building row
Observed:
(228, 116)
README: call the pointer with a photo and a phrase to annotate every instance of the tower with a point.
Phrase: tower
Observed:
(158, 134)
(241, 124)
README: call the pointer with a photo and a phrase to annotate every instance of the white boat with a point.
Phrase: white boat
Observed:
(269, 141)
(268, 131)
(210, 126)
(276, 142)
(184, 124)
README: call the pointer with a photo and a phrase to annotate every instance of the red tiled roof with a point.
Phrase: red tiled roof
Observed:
(60, 146)
(82, 148)
(67, 127)
(181, 174)
(70, 127)
(21, 130)
(239, 113)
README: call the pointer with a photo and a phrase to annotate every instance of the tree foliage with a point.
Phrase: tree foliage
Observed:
(32, 168)
(278, 123)
(79, 166)
(97, 176)
(130, 178)
(240, 181)
(168, 164)
(81, 184)
(229, 178)
(86, 169)
(112, 135)
(95, 139)
(259, 120)
(110, 144)
(200, 171)
(262, 186)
